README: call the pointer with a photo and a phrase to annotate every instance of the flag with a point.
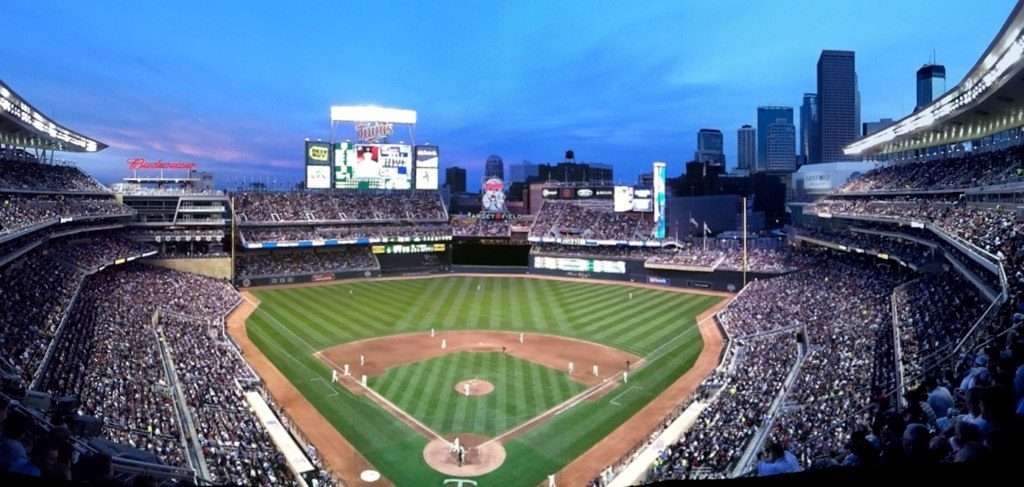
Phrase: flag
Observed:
(706, 229)
(694, 222)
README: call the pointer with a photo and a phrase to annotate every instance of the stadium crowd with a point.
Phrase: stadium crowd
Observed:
(20, 170)
(967, 171)
(560, 219)
(93, 251)
(724, 427)
(19, 211)
(908, 251)
(237, 449)
(285, 262)
(435, 231)
(988, 227)
(340, 206)
(684, 253)
(474, 226)
(38, 288)
(933, 313)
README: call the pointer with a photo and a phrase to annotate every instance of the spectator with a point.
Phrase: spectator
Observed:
(778, 461)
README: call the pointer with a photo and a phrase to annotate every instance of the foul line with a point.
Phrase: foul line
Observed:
(334, 392)
(558, 409)
(383, 400)
(612, 401)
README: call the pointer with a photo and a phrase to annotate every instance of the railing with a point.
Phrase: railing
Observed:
(897, 343)
(756, 443)
(56, 336)
(189, 437)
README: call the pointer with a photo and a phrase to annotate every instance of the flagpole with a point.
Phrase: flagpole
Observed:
(744, 203)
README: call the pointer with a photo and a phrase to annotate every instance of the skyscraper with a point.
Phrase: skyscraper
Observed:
(455, 179)
(494, 168)
(746, 148)
(765, 117)
(838, 104)
(931, 83)
(710, 145)
(809, 126)
(780, 142)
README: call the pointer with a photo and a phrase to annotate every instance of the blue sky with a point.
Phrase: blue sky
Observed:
(236, 86)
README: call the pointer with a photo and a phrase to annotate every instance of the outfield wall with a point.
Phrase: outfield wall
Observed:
(304, 278)
(631, 270)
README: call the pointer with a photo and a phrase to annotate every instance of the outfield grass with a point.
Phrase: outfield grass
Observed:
(291, 324)
(522, 390)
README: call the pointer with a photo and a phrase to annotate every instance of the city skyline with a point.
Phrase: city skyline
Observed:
(236, 93)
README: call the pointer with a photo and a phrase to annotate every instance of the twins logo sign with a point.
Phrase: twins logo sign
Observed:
(374, 131)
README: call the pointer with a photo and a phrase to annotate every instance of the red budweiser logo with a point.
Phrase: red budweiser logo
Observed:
(137, 164)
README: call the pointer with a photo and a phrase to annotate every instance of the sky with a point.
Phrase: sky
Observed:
(237, 86)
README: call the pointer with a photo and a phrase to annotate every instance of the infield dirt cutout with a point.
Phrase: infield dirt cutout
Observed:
(482, 456)
(475, 387)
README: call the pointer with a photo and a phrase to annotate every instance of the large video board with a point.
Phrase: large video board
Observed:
(427, 163)
(372, 166)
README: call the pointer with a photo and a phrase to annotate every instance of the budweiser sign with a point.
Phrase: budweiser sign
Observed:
(137, 164)
(374, 131)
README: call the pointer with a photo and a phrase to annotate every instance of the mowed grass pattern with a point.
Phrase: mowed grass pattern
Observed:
(522, 390)
(292, 323)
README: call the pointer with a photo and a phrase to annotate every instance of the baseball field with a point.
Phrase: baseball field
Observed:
(528, 374)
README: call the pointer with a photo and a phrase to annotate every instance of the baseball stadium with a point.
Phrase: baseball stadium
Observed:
(373, 327)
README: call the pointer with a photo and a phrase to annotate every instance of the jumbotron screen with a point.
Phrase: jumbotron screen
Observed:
(372, 166)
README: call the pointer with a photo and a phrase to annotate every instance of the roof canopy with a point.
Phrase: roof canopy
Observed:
(24, 126)
(990, 99)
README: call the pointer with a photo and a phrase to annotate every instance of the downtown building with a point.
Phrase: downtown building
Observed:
(766, 116)
(710, 147)
(838, 103)
(746, 148)
(810, 128)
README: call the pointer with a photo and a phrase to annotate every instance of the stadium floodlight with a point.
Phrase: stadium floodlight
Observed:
(370, 113)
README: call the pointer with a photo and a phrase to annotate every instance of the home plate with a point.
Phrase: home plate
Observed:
(369, 476)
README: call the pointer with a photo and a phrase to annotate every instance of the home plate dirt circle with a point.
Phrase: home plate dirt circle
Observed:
(482, 456)
(477, 387)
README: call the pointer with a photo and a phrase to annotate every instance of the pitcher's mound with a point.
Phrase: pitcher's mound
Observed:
(477, 387)
(482, 456)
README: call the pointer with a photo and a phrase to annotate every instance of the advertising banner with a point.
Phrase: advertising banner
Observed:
(427, 163)
(568, 264)
(579, 193)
